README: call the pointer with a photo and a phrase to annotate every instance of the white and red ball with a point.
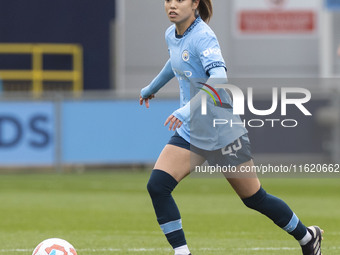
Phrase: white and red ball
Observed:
(54, 246)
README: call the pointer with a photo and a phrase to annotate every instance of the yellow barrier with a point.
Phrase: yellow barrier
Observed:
(37, 74)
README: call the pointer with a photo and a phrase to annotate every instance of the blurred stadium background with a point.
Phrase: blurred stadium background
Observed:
(70, 76)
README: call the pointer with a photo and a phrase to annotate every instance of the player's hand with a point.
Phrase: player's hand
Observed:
(174, 122)
(141, 100)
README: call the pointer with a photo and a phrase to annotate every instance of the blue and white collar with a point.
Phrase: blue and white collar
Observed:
(191, 27)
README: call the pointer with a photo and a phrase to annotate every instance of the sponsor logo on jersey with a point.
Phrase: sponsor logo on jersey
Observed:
(182, 75)
(185, 56)
(212, 51)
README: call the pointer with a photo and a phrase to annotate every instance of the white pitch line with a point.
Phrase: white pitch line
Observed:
(121, 250)
(168, 249)
(268, 249)
(281, 248)
(115, 250)
(16, 250)
(146, 249)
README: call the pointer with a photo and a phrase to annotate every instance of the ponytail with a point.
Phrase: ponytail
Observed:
(205, 10)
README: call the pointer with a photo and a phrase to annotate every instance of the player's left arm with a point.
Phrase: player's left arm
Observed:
(176, 119)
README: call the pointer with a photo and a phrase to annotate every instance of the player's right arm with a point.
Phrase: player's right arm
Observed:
(161, 79)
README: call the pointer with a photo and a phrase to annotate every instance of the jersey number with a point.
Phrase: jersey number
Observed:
(233, 148)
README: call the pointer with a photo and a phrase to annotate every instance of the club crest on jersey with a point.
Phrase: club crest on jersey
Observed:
(185, 56)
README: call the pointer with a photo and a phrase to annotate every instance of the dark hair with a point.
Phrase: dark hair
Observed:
(205, 10)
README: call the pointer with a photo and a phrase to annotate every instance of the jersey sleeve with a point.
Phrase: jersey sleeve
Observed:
(165, 75)
(209, 52)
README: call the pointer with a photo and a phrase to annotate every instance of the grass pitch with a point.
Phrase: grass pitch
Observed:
(111, 213)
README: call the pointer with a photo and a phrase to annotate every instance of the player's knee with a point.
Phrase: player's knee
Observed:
(153, 187)
(255, 200)
(160, 183)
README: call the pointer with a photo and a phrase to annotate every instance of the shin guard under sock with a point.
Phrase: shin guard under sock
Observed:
(278, 211)
(160, 186)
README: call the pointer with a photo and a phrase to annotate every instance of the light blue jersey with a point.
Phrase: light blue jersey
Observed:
(193, 57)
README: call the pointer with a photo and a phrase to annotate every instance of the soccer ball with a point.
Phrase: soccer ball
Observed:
(54, 246)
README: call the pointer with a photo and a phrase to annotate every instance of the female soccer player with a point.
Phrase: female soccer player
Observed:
(195, 54)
